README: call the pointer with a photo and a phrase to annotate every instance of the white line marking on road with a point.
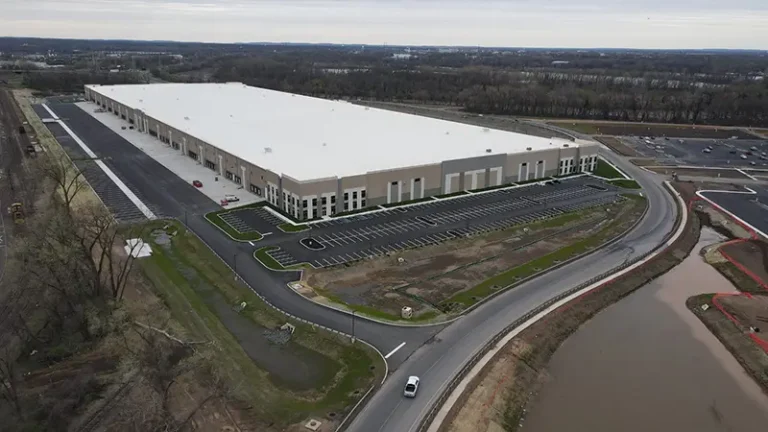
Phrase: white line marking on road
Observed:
(251, 243)
(112, 176)
(394, 350)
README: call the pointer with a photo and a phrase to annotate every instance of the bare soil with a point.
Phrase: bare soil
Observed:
(651, 129)
(432, 274)
(751, 311)
(752, 254)
(735, 339)
(519, 368)
(618, 146)
(696, 172)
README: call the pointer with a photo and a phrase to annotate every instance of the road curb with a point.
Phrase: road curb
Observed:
(452, 390)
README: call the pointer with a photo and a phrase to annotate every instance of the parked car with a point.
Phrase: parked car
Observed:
(706, 150)
(411, 386)
(197, 183)
(743, 156)
(231, 198)
(123, 128)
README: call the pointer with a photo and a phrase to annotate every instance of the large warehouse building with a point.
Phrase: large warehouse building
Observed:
(315, 157)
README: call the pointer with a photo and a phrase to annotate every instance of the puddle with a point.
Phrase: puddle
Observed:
(648, 364)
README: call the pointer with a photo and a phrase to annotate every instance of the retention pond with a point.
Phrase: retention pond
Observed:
(648, 364)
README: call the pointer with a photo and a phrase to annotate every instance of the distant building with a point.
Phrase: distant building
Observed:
(314, 157)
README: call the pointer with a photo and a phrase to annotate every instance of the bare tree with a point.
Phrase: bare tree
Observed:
(67, 178)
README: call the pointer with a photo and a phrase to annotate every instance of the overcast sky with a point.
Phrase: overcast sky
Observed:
(526, 23)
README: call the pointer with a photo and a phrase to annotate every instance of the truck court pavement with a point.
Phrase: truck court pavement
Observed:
(341, 241)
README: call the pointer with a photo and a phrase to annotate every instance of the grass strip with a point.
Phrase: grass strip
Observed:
(215, 219)
(626, 184)
(347, 368)
(291, 228)
(605, 170)
(413, 201)
(512, 276)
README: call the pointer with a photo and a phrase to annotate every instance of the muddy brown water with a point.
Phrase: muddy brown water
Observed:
(648, 364)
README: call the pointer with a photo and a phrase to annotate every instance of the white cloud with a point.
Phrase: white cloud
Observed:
(541, 23)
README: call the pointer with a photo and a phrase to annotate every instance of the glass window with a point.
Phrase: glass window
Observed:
(324, 201)
(346, 196)
(346, 206)
(314, 202)
(362, 203)
(362, 193)
(333, 199)
(305, 204)
(354, 205)
(354, 195)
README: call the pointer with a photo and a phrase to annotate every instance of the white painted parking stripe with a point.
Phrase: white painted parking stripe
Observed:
(397, 348)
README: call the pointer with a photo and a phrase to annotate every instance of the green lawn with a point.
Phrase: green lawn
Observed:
(347, 370)
(627, 184)
(514, 275)
(605, 170)
(291, 228)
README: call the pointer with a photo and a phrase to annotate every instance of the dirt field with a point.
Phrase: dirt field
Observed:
(751, 311)
(495, 400)
(753, 255)
(737, 340)
(651, 129)
(619, 147)
(697, 172)
(430, 277)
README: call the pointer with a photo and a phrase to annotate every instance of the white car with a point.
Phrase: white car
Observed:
(231, 198)
(411, 386)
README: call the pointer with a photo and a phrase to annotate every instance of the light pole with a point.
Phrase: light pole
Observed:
(353, 325)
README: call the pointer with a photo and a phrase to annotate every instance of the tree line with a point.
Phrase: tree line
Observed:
(542, 94)
(68, 340)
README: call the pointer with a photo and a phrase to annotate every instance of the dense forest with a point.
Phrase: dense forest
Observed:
(712, 87)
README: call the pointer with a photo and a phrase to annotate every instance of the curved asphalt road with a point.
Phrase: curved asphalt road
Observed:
(438, 361)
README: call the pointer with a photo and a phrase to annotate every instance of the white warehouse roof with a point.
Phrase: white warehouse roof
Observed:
(310, 138)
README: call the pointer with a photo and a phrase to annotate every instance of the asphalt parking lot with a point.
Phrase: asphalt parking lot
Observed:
(252, 219)
(161, 190)
(115, 199)
(722, 152)
(344, 240)
(751, 208)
